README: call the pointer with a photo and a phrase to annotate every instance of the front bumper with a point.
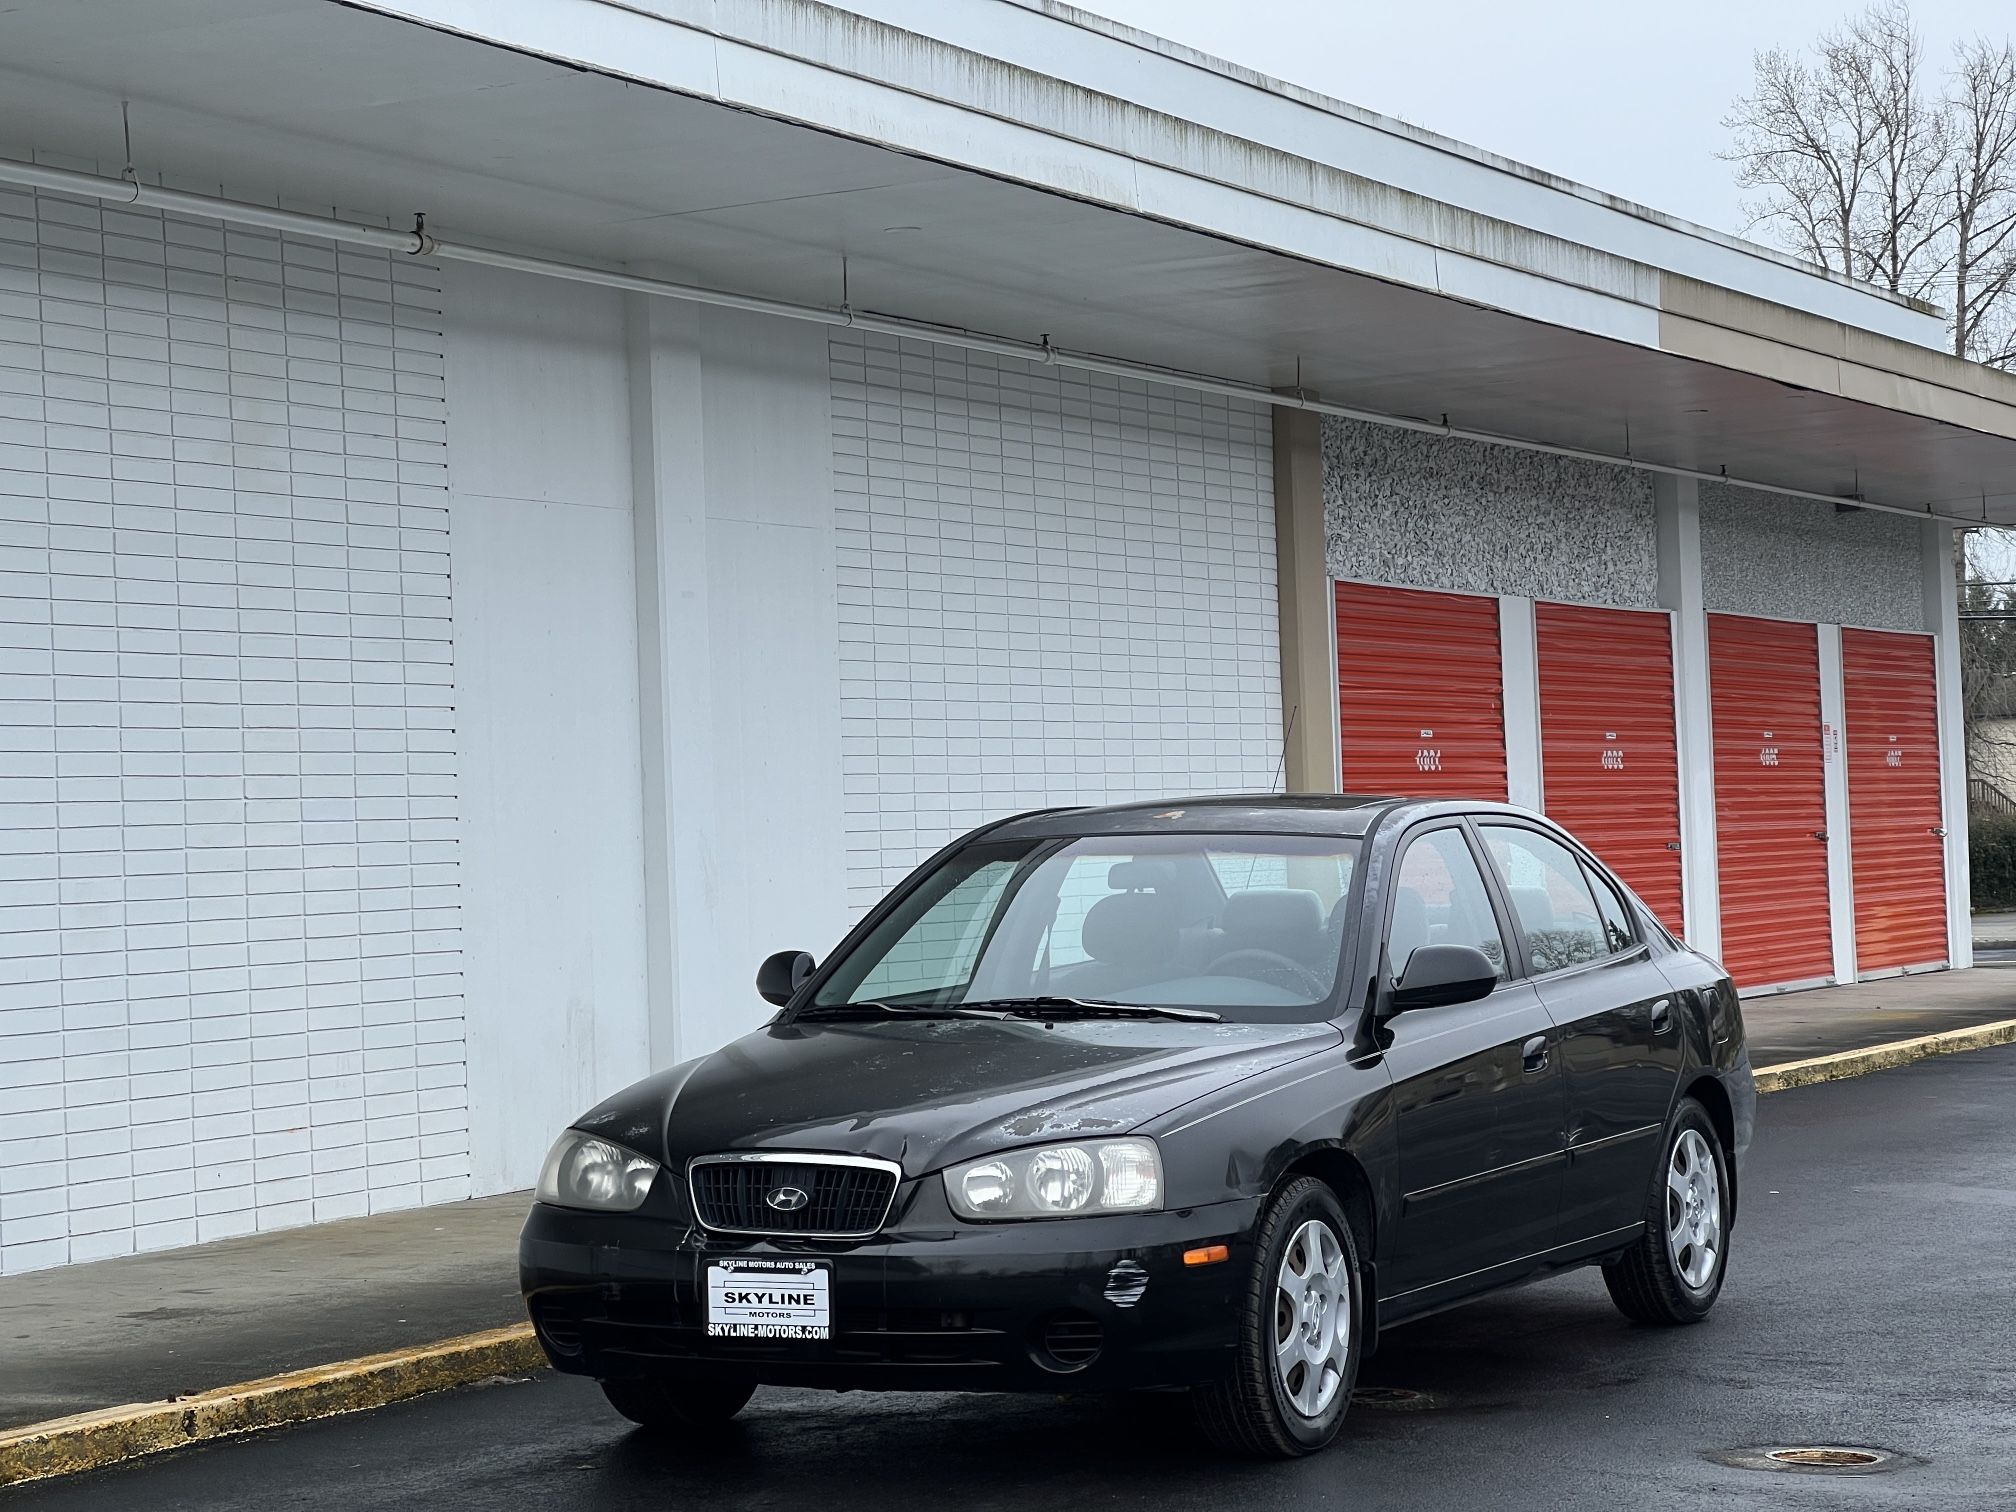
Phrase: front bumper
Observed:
(930, 1304)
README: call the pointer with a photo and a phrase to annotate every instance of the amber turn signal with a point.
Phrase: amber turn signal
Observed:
(1211, 1254)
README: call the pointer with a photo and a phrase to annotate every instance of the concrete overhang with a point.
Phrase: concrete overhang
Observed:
(1031, 172)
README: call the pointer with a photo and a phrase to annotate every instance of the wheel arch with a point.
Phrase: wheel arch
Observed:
(1341, 1171)
(1706, 1089)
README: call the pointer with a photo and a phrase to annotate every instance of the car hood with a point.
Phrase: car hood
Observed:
(937, 1091)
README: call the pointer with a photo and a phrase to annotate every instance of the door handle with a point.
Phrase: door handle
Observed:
(1819, 834)
(1662, 1015)
(1534, 1053)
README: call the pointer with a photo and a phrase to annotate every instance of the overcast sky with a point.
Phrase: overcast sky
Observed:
(1624, 97)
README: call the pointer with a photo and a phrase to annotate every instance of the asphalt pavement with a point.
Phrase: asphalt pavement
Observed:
(1871, 1301)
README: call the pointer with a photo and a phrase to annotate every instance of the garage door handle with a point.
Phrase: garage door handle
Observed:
(1940, 830)
(1534, 1053)
(1819, 834)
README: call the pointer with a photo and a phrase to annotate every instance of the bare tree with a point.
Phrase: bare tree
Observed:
(1982, 106)
(1862, 169)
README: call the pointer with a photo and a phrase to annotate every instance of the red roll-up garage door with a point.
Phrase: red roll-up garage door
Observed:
(1770, 800)
(1890, 704)
(1419, 692)
(1609, 760)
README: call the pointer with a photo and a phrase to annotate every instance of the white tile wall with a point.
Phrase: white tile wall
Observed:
(1054, 587)
(230, 992)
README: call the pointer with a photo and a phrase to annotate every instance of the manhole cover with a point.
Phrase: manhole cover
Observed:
(1833, 1459)
(1392, 1399)
(1816, 1459)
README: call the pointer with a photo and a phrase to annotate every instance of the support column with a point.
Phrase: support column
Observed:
(1678, 505)
(668, 483)
(1519, 670)
(1942, 618)
(1307, 606)
(1834, 768)
(739, 660)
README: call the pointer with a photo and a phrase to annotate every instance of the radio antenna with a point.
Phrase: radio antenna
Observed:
(1281, 768)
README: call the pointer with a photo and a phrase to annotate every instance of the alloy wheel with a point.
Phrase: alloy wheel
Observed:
(1312, 1319)
(1693, 1210)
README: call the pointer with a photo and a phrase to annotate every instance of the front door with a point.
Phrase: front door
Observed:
(1480, 1107)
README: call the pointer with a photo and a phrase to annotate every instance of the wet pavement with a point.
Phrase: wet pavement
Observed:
(1870, 1301)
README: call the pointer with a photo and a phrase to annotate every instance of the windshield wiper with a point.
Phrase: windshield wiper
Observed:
(874, 1009)
(1070, 1007)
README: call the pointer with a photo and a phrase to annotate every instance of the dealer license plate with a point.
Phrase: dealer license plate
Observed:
(769, 1299)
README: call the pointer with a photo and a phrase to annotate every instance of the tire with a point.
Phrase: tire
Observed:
(1673, 1273)
(1261, 1410)
(676, 1407)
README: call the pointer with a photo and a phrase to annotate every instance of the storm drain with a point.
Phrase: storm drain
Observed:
(1392, 1399)
(1817, 1459)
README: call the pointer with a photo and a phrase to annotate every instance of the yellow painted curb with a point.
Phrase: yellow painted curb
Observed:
(1847, 1063)
(63, 1446)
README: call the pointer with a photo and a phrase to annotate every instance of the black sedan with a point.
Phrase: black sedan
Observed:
(1203, 1093)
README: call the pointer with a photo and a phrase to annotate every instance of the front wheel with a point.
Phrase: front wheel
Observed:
(1297, 1354)
(1673, 1273)
(669, 1407)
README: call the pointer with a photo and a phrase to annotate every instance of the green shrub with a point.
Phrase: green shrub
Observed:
(1991, 853)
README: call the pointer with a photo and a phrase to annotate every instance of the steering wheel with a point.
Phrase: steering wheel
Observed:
(1268, 966)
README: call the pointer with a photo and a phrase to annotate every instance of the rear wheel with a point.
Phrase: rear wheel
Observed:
(1297, 1354)
(1673, 1274)
(672, 1407)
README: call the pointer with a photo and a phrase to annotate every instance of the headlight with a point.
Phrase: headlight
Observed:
(1059, 1181)
(582, 1171)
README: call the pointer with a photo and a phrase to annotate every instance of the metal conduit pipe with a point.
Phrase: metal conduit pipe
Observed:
(421, 243)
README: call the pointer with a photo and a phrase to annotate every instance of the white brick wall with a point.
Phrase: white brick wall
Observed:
(1054, 587)
(229, 949)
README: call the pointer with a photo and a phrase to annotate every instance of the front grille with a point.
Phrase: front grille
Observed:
(846, 1197)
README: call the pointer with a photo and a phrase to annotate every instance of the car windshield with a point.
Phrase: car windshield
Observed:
(1250, 926)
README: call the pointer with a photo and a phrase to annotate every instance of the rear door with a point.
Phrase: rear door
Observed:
(1609, 756)
(1479, 1095)
(1896, 824)
(1770, 800)
(1420, 694)
(1618, 1019)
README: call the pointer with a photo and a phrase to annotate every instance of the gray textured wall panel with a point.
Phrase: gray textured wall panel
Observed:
(1428, 512)
(1802, 559)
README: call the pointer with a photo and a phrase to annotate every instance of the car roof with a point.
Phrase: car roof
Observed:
(1351, 814)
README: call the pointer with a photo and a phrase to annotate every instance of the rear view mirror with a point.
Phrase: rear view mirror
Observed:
(780, 977)
(1437, 975)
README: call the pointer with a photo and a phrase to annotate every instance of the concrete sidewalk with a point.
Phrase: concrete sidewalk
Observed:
(1995, 931)
(146, 1327)
(1794, 1025)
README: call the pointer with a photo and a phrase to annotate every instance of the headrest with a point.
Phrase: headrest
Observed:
(1534, 907)
(1133, 876)
(1274, 913)
(1134, 929)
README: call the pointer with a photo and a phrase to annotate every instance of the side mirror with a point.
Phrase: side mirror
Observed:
(1438, 975)
(779, 978)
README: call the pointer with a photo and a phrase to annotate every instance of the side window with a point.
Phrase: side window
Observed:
(937, 952)
(1550, 897)
(1616, 921)
(1439, 898)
